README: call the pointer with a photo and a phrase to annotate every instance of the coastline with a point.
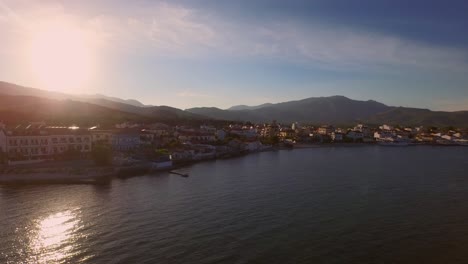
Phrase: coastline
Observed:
(90, 174)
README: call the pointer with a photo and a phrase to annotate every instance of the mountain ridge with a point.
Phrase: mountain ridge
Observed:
(336, 109)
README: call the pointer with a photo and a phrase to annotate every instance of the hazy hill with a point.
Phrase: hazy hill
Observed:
(130, 106)
(114, 99)
(17, 109)
(13, 89)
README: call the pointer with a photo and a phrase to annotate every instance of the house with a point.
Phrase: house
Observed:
(355, 135)
(325, 130)
(37, 142)
(252, 146)
(271, 130)
(101, 136)
(386, 127)
(196, 137)
(336, 137)
(127, 125)
(365, 130)
(162, 162)
(295, 126)
(244, 132)
(384, 134)
(203, 152)
(287, 133)
(146, 137)
(126, 139)
(221, 134)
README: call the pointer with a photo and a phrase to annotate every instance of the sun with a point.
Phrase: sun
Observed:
(61, 57)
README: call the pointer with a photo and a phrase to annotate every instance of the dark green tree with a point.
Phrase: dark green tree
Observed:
(101, 154)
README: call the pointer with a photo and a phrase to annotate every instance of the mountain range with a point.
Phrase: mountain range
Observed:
(20, 104)
(336, 110)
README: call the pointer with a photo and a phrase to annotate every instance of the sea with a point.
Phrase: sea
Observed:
(359, 204)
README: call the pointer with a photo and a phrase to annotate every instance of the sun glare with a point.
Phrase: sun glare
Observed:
(61, 57)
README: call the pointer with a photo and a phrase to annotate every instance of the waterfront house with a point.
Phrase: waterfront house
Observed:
(221, 134)
(365, 130)
(101, 136)
(126, 139)
(355, 135)
(196, 137)
(146, 137)
(245, 132)
(336, 137)
(203, 152)
(37, 142)
(252, 146)
(384, 134)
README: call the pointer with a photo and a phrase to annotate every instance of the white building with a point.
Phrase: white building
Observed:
(386, 127)
(364, 129)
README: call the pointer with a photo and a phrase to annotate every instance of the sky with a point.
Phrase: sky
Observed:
(221, 53)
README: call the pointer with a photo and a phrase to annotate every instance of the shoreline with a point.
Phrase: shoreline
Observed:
(90, 174)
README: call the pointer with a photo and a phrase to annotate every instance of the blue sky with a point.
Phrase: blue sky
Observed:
(222, 53)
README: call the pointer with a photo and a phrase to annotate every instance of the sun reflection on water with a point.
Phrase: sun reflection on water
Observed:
(53, 241)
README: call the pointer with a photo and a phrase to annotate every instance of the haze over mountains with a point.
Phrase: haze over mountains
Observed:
(18, 103)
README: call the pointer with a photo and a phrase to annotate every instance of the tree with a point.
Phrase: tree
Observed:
(3, 157)
(101, 155)
(71, 154)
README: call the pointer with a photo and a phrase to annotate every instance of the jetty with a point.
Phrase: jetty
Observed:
(178, 173)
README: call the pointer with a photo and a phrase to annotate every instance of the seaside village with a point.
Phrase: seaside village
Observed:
(166, 145)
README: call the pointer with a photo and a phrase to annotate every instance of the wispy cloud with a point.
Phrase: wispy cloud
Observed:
(189, 93)
(168, 29)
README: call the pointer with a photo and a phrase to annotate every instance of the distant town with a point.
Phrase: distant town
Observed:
(165, 146)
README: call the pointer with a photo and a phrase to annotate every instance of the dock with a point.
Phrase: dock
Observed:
(178, 173)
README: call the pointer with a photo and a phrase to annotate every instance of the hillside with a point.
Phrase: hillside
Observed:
(17, 109)
(128, 109)
(13, 89)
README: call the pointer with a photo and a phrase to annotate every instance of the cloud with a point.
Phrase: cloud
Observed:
(167, 29)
